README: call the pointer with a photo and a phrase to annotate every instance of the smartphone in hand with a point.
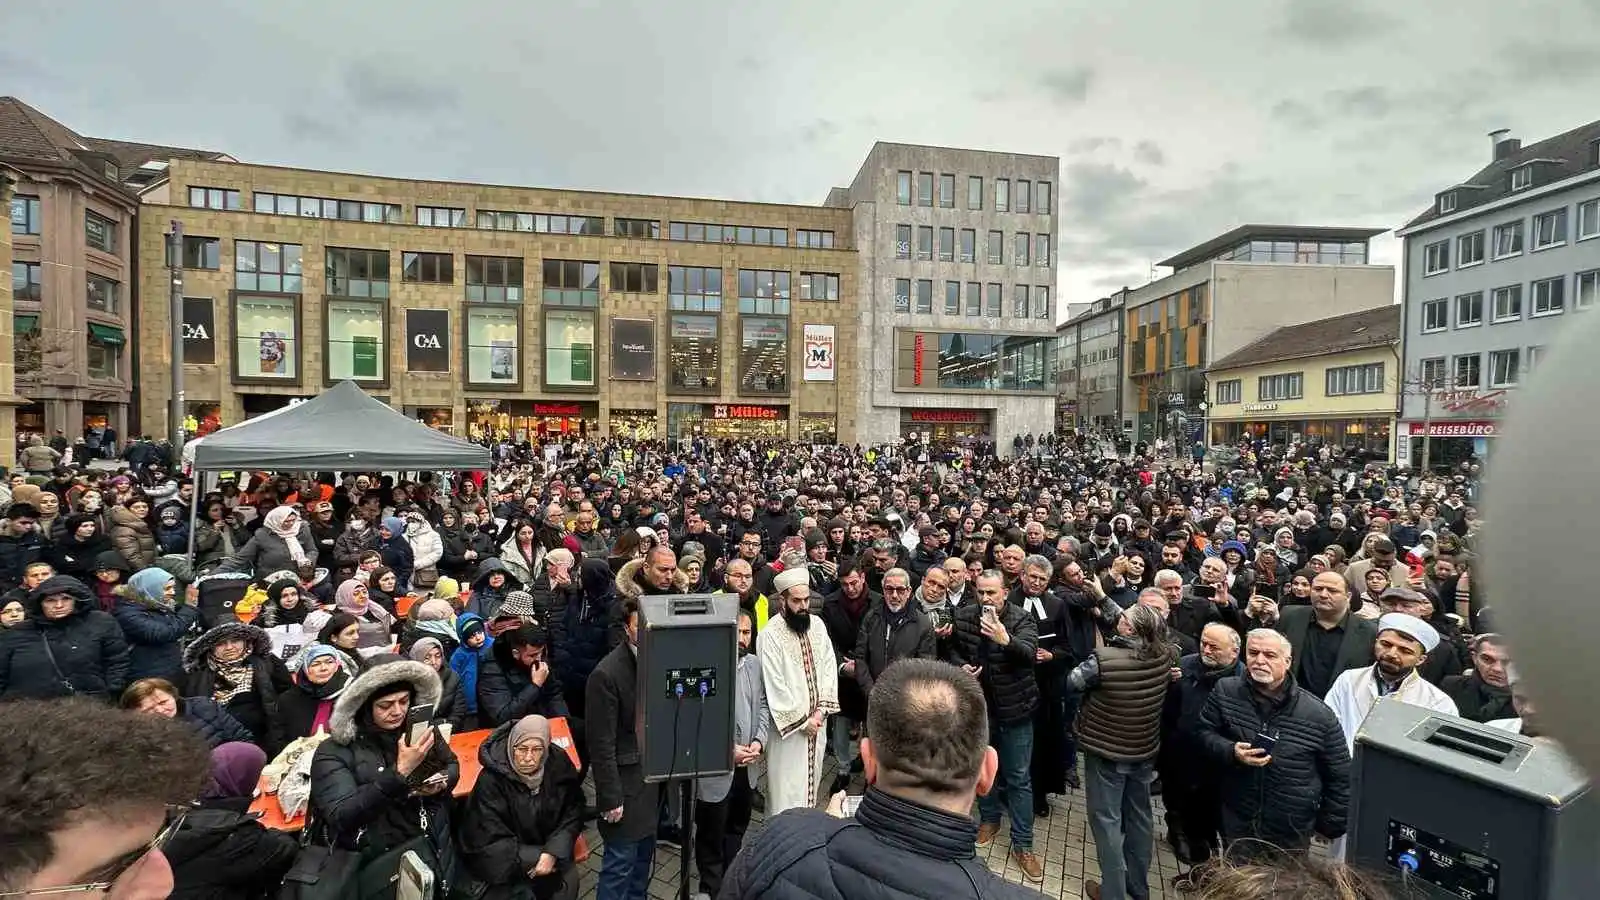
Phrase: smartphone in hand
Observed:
(419, 719)
(1264, 741)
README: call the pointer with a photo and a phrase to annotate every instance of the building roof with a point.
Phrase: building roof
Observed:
(1352, 331)
(131, 155)
(1567, 154)
(28, 136)
(1221, 242)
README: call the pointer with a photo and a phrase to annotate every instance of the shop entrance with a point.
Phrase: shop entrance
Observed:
(635, 424)
(943, 426)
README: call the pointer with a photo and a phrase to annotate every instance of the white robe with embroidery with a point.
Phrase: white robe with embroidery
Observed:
(800, 677)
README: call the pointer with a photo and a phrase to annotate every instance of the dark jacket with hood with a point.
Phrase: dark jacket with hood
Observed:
(357, 792)
(152, 631)
(506, 691)
(485, 600)
(586, 626)
(220, 853)
(88, 648)
(17, 550)
(504, 827)
(70, 556)
(457, 541)
(257, 707)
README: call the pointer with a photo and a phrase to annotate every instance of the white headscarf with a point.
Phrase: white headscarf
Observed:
(276, 522)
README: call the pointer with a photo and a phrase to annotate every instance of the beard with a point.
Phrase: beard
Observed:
(798, 622)
(1393, 672)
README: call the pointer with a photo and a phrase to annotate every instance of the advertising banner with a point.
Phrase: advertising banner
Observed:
(199, 331)
(819, 353)
(428, 340)
(633, 349)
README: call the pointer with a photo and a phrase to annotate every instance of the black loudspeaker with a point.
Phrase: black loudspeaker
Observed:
(1464, 811)
(219, 594)
(688, 651)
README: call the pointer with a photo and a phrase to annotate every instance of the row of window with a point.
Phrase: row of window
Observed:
(1340, 381)
(27, 217)
(1028, 196)
(501, 220)
(1545, 297)
(1466, 371)
(1026, 302)
(103, 357)
(1506, 240)
(100, 293)
(1026, 249)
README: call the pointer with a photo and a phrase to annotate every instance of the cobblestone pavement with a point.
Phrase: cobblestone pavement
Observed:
(1062, 840)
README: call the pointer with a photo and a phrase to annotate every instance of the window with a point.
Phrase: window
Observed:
(1522, 178)
(26, 214)
(924, 296)
(494, 279)
(1588, 220)
(763, 291)
(265, 266)
(974, 298)
(1550, 229)
(1447, 202)
(925, 243)
(1588, 289)
(441, 217)
(1469, 249)
(1021, 242)
(494, 338)
(694, 288)
(29, 354)
(635, 278)
(1230, 391)
(806, 237)
(198, 252)
(571, 282)
(763, 355)
(902, 295)
(1503, 365)
(1508, 239)
(1550, 296)
(924, 188)
(569, 348)
(819, 286)
(636, 228)
(969, 245)
(102, 293)
(105, 350)
(1041, 250)
(1435, 315)
(994, 301)
(1432, 373)
(947, 191)
(1507, 303)
(266, 336)
(1290, 386)
(325, 208)
(427, 268)
(1042, 205)
(947, 245)
(25, 283)
(695, 350)
(974, 192)
(100, 232)
(1344, 380)
(903, 189)
(1469, 309)
(358, 273)
(1467, 373)
(952, 298)
(974, 361)
(902, 242)
(354, 345)
(1436, 258)
(1531, 359)
(997, 248)
(1002, 195)
(1041, 302)
(1019, 301)
(209, 198)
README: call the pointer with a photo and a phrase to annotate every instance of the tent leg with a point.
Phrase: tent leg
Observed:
(194, 512)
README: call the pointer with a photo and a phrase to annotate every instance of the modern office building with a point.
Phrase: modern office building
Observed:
(956, 298)
(1492, 271)
(1089, 368)
(501, 310)
(1224, 294)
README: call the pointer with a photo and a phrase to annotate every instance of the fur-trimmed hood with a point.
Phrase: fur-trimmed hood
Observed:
(418, 676)
(630, 587)
(259, 642)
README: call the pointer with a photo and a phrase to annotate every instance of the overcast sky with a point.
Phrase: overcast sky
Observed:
(1174, 120)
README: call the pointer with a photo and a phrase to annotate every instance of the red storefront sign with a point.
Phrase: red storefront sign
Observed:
(1453, 429)
(916, 360)
(558, 409)
(949, 416)
(730, 411)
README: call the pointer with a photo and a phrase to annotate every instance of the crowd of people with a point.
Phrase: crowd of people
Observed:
(1216, 636)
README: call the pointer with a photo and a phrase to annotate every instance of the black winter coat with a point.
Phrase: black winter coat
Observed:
(1182, 751)
(1476, 700)
(70, 556)
(355, 790)
(16, 552)
(613, 748)
(1008, 679)
(845, 633)
(504, 827)
(585, 627)
(220, 854)
(506, 693)
(456, 542)
(256, 708)
(1305, 790)
(215, 724)
(452, 705)
(152, 633)
(89, 651)
(878, 644)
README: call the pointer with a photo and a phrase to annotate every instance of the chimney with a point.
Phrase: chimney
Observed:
(1503, 144)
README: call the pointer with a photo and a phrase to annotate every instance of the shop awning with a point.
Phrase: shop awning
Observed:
(107, 334)
(24, 323)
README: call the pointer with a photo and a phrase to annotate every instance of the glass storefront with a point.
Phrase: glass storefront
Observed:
(569, 348)
(439, 418)
(942, 426)
(637, 424)
(819, 428)
(207, 416)
(1350, 434)
(696, 355)
(493, 338)
(727, 420)
(531, 420)
(763, 355)
(356, 348)
(30, 418)
(975, 362)
(265, 331)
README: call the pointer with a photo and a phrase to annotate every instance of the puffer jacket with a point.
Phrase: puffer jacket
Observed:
(223, 854)
(215, 724)
(485, 600)
(506, 691)
(585, 627)
(152, 632)
(256, 708)
(132, 538)
(427, 549)
(210, 548)
(504, 827)
(266, 553)
(1008, 680)
(88, 649)
(1121, 716)
(1306, 788)
(17, 550)
(456, 543)
(70, 556)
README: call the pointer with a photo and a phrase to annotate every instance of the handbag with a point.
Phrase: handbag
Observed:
(425, 578)
(51, 655)
(321, 873)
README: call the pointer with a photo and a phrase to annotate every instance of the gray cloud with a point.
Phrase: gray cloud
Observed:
(1094, 189)
(1334, 24)
(1087, 145)
(303, 126)
(376, 88)
(819, 131)
(1556, 61)
(1149, 153)
(1371, 101)
(1069, 86)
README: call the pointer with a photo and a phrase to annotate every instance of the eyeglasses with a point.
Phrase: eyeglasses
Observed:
(107, 876)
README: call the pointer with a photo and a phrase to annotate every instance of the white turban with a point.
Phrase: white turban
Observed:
(789, 578)
(1412, 627)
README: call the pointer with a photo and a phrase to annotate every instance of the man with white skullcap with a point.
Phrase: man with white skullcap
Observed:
(801, 678)
(1403, 642)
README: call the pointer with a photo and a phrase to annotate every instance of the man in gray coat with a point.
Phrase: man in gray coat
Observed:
(722, 808)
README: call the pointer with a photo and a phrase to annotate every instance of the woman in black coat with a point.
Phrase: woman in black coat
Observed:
(157, 696)
(233, 665)
(66, 646)
(586, 633)
(518, 829)
(321, 673)
(82, 541)
(220, 852)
